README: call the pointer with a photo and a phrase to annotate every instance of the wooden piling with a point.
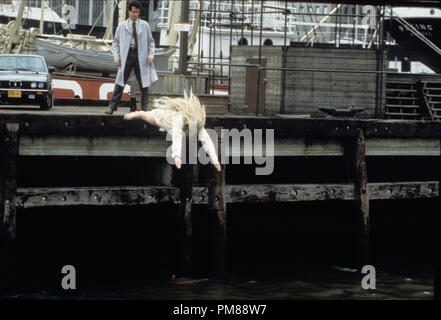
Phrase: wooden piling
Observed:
(218, 208)
(8, 182)
(355, 157)
(184, 181)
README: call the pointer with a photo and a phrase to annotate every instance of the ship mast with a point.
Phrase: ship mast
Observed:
(173, 16)
(122, 11)
(109, 31)
(17, 25)
(197, 21)
(42, 16)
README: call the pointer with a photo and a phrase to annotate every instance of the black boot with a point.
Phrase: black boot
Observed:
(116, 98)
(132, 104)
(144, 98)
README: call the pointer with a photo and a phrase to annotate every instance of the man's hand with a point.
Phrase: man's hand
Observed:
(118, 63)
(149, 60)
(178, 162)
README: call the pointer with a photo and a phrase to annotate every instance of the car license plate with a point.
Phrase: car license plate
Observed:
(14, 94)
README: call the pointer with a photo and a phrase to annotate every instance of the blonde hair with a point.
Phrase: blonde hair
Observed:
(190, 107)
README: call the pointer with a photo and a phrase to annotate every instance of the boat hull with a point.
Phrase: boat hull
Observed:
(61, 56)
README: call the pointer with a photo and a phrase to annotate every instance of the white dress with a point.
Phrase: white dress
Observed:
(173, 122)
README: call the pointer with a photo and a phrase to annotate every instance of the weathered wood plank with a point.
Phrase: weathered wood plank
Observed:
(403, 190)
(402, 147)
(288, 193)
(155, 146)
(126, 196)
(99, 196)
(46, 124)
(320, 192)
(332, 127)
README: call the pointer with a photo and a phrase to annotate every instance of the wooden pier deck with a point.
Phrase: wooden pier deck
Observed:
(77, 132)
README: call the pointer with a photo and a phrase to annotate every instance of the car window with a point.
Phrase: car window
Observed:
(22, 63)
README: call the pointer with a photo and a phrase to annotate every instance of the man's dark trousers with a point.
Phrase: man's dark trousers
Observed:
(132, 62)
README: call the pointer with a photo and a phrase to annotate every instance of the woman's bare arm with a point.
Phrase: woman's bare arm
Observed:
(143, 115)
(208, 146)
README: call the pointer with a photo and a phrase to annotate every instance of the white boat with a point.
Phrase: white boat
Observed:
(86, 54)
(62, 52)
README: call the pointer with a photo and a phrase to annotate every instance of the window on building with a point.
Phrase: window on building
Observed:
(243, 42)
(268, 42)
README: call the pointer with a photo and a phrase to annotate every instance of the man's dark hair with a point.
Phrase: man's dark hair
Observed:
(133, 3)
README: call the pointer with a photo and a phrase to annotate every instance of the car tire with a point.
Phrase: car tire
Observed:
(47, 103)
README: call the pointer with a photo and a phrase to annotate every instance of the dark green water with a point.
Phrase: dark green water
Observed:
(326, 284)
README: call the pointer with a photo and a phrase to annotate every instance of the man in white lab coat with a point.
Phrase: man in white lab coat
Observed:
(133, 48)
